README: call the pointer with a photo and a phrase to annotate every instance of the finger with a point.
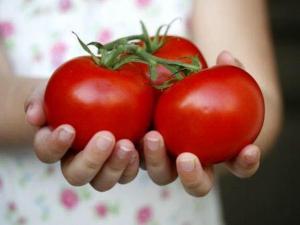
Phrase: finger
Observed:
(35, 114)
(246, 163)
(51, 146)
(226, 58)
(114, 167)
(158, 164)
(131, 170)
(196, 180)
(81, 168)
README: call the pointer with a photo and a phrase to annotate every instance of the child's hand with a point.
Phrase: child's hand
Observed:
(102, 163)
(197, 180)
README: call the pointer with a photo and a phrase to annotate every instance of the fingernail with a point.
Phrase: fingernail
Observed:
(251, 157)
(187, 163)
(30, 110)
(65, 134)
(123, 151)
(153, 144)
(227, 54)
(104, 142)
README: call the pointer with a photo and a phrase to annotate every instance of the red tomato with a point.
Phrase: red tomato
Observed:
(213, 114)
(92, 98)
(177, 49)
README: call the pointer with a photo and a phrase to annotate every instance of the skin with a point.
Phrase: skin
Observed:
(105, 162)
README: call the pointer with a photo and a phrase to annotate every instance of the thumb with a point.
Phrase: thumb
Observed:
(226, 58)
(33, 106)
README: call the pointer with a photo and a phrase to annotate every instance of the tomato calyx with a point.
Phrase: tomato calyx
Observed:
(140, 49)
(151, 44)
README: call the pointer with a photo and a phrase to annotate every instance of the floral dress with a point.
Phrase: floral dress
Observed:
(37, 36)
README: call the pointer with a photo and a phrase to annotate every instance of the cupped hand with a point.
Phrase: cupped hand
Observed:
(196, 179)
(103, 163)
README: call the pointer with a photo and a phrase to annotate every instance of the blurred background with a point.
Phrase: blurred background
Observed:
(271, 197)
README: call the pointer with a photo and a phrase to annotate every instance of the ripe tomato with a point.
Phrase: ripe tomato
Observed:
(92, 98)
(213, 114)
(176, 48)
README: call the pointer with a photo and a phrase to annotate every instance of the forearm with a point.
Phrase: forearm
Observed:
(241, 27)
(13, 127)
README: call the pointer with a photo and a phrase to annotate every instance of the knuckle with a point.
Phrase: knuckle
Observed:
(115, 168)
(58, 145)
(91, 163)
(73, 176)
(45, 149)
(156, 162)
(55, 153)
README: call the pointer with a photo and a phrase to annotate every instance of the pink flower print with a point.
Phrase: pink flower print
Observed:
(6, 29)
(69, 198)
(58, 52)
(65, 5)
(12, 206)
(144, 215)
(143, 3)
(101, 210)
(105, 36)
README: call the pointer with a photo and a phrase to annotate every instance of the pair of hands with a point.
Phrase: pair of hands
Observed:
(105, 161)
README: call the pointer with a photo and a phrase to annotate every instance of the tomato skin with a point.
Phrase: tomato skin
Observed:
(177, 49)
(213, 114)
(92, 98)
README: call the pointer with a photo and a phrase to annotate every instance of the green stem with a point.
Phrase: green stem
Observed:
(147, 38)
(127, 60)
(123, 40)
(154, 59)
(113, 56)
(123, 50)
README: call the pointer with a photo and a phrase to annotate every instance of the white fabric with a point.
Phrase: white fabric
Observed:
(36, 187)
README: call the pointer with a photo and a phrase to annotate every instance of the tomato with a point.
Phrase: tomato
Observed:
(92, 98)
(213, 114)
(176, 48)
